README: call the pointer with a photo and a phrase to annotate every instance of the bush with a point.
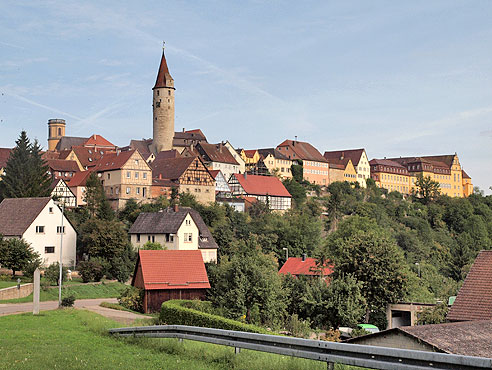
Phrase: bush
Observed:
(68, 301)
(52, 273)
(174, 313)
(132, 298)
(298, 328)
(92, 270)
(31, 267)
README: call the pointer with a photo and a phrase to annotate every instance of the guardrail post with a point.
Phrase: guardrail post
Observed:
(237, 350)
(330, 365)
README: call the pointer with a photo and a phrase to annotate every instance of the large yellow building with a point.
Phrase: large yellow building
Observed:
(342, 170)
(400, 174)
(276, 162)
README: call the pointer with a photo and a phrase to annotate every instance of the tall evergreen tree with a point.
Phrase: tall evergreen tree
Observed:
(26, 173)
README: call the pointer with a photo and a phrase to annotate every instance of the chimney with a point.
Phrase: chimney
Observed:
(304, 257)
(160, 176)
(245, 175)
(295, 138)
(176, 208)
(184, 129)
(220, 147)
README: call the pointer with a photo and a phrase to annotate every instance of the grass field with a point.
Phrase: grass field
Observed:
(75, 339)
(108, 290)
(7, 283)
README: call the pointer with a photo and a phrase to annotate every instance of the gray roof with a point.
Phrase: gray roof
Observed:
(67, 142)
(168, 221)
(17, 214)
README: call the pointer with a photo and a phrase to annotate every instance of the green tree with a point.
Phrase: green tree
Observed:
(426, 189)
(17, 254)
(153, 246)
(95, 198)
(433, 315)
(295, 189)
(297, 172)
(108, 240)
(248, 284)
(26, 173)
(367, 252)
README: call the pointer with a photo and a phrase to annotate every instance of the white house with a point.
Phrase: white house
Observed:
(39, 222)
(62, 193)
(175, 229)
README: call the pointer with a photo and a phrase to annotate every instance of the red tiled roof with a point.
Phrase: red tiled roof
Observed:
(353, 154)
(173, 269)
(262, 185)
(214, 173)
(216, 153)
(89, 156)
(163, 76)
(303, 150)
(113, 161)
(465, 175)
(165, 154)
(98, 140)
(296, 266)
(170, 168)
(51, 155)
(4, 156)
(250, 153)
(474, 300)
(79, 179)
(63, 165)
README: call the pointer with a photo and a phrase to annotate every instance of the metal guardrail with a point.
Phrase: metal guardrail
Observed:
(349, 354)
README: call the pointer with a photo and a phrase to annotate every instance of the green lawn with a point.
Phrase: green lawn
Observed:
(75, 339)
(7, 283)
(108, 290)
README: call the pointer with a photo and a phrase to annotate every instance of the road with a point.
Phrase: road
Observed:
(86, 304)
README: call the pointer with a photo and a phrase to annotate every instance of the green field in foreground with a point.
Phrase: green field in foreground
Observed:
(74, 339)
(7, 283)
(86, 291)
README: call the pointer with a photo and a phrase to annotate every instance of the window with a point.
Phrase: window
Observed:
(188, 222)
(39, 229)
(138, 238)
(144, 175)
(138, 190)
(109, 176)
(128, 174)
(136, 175)
(49, 249)
(60, 229)
(144, 192)
(128, 189)
(51, 209)
(169, 238)
(169, 92)
(188, 237)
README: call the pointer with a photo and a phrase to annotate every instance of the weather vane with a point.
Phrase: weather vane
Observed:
(163, 45)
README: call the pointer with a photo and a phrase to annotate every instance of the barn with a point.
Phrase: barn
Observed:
(170, 274)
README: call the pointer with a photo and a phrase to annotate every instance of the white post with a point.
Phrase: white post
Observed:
(61, 259)
(35, 299)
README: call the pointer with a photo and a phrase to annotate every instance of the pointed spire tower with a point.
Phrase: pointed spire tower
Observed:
(163, 107)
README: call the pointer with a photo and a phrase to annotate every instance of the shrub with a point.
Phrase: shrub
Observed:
(92, 270)
(68, 301)
(52, 273)
(174, 313)
(31, 267)
(132, 298)
(298, 328)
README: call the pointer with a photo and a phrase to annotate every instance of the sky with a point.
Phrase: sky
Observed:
(397, 78)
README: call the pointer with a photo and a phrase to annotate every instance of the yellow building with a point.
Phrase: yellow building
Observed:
(276, 162)
(342, 170)
(359, 161)
(400, 174)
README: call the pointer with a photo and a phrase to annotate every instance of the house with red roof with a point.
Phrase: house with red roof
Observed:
(474, 299)
(215, 157)
(359, 159)
(314, 165)
(306, 266)
(267, 189)
(124, 175)
(170, 274)
(62, 169)
(4, 157)
(77, 186)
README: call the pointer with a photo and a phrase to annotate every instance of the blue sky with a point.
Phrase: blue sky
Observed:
(398, 78)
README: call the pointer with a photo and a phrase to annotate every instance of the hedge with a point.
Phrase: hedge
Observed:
(174, 313)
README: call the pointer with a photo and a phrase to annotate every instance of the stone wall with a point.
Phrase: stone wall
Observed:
(13, 292)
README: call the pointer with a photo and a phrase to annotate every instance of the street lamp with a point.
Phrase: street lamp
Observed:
(286, 253)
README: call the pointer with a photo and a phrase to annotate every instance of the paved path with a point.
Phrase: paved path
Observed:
(87, 304)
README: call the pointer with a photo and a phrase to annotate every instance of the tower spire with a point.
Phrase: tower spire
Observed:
(163, 76)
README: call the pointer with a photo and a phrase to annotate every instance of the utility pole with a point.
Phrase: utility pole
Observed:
(61, 259)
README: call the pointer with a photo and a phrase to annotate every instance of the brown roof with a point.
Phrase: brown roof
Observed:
(113, 161)
(465, 175)
(163, 76)
(469, 338)
(474, 300)
(215, 153)
(62, 165)
(386, 162)
(170, 168)
(262, 185)
(174, 269)
(165, 183)
(17, 214)
(353, 154)
(89, 156)
(67, 142)
(165, 154)
(274, 152)
(303, 150)
(4, 156)
(79, 179)
(339, 163)
(98, 141)
(168, 221)
(143, 146)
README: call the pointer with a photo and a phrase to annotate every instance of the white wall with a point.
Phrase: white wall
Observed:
(50, 238)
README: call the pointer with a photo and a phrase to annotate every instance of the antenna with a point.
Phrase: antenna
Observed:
(163, 45)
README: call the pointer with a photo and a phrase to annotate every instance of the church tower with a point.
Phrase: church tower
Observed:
(163, 107)
(56, 130)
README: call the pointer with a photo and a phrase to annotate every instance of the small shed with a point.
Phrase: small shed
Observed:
(170, 274)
